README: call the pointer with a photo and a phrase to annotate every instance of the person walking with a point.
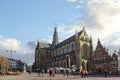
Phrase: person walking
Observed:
(83, 73)
(42, 71)
(38, 72)
(50, 72)
(67, 72)
(29, 72)
(64, 72)
(86, 73)
(53, 74)
(105, 73)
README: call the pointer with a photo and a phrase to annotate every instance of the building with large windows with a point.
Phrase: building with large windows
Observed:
(103, 61)
(42, 54)
(75, 50)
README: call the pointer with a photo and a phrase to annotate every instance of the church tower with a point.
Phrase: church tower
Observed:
(55, 37)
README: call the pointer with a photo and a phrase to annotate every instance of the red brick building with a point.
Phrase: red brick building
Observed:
(114, 63)
(101, 59)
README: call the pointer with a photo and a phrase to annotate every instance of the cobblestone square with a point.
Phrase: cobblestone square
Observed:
(34, 76)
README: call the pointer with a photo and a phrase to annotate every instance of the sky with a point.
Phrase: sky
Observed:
(24, 22)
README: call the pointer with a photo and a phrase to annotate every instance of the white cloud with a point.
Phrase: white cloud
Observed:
(8, 43)
(15, 45)
(101, 21)
(78, 6)
(71, 0)
(103, 18)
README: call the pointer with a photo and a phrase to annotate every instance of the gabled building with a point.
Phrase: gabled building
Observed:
(42, 54)
(114, 63)
(101, 59)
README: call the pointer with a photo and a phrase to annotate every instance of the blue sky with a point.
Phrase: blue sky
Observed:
(27, 19)
(23, 22)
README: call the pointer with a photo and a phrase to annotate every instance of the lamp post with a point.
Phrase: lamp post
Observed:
(11, 51)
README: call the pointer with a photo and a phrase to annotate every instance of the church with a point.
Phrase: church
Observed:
(76, 50)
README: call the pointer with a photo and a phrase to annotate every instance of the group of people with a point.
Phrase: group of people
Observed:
(41, 72)
(51, 72)
(66, 72)
(84, 73)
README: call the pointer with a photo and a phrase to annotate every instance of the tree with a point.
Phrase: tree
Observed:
(3, 64)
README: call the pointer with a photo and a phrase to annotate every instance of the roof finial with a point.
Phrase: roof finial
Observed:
(90, 37)
(83, 27)
(76, 33)
(99, 41)
(55, 28)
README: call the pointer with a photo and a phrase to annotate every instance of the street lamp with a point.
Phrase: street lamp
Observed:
(11, 51)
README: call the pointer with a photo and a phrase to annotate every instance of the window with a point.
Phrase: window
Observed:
(67, 48)
(72, 47)
(63, 51)
(59, 52)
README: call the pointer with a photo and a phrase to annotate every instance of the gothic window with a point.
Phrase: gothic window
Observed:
(82, 38)
(67, 48)
(72, 47)
(55, 53)
(86, 51)
(86, 39)
(59, 52)
(63, 50)
(83, 65)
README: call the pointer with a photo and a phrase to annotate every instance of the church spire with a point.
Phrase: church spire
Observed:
(55, 37)
(99, 41)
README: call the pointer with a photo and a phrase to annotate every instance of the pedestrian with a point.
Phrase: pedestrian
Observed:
(67, 72)
(42, 71)
(29, 72)
(53, 74)
(64, 72)
(110, 73)
(105, 73)
(50, 71)
(83, 73)
(77, 71)
(86, 73)
(38, 72)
